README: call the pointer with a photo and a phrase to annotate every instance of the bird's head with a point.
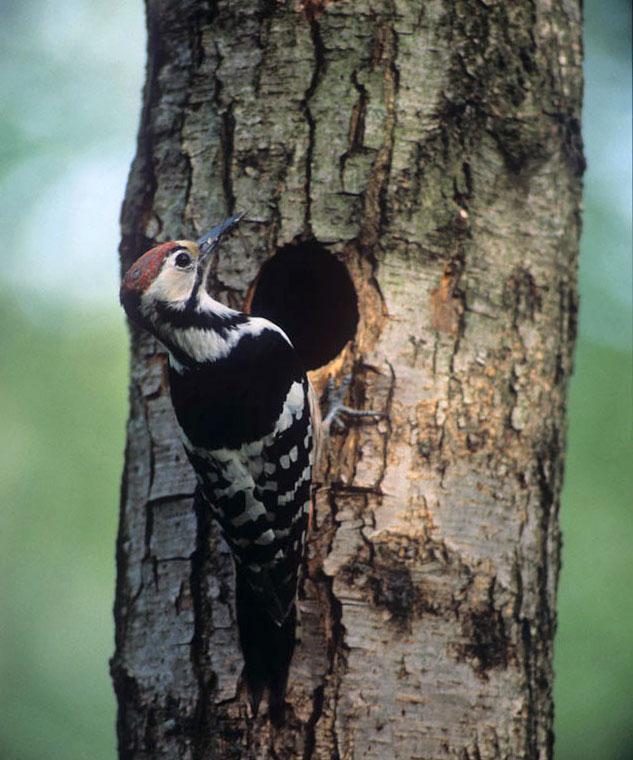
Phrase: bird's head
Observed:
(169, 276)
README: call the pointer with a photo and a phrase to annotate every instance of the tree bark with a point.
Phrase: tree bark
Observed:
(434, 148)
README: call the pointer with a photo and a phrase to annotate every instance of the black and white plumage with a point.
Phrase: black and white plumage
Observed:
(249, 421)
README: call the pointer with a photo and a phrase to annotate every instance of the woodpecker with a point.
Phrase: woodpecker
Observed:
(250, 425)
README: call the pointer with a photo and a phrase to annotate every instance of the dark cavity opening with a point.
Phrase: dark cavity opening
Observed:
(308, 292)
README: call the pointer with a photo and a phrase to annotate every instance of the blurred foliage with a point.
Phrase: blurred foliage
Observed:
(593, 656)
(62, 405)
(70, 89)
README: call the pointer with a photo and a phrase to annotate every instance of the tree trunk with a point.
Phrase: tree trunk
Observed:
(433, 147)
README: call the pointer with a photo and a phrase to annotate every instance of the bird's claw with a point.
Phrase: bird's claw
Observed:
(334, 396)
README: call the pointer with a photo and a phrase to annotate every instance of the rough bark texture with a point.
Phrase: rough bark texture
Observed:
(434, 147)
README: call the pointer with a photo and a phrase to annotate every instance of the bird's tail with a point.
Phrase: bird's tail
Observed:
(267, 647)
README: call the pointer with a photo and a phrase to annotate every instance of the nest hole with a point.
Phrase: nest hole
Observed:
(309, 293)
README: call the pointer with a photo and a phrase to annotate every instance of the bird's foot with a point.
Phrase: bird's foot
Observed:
(334, 395)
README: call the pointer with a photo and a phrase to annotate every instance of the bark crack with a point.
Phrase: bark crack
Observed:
(319, 67)
(226, 141)
(375, 210)
(356, 129)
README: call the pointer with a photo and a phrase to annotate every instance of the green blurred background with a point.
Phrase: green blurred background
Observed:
(70, 85)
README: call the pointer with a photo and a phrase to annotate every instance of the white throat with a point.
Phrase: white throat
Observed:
(208, 343)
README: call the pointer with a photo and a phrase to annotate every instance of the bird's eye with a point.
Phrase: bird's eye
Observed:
(183, 260)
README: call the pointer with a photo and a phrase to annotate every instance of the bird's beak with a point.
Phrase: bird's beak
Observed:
(209, 241)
